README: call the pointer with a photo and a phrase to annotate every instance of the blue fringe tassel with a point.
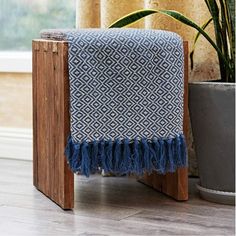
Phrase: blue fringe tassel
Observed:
(101, 155)
(178, 151)
(162, 156)
(170, 156)
(156, 148)
(117, 155)
(127, 156)
(137, 162)
(94, 156)
(146, 156)
(108, 157)
(183, 150)
(85, 161)
(76, 160)
(153, 156)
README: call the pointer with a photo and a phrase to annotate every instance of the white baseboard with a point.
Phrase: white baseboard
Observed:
(16, 143)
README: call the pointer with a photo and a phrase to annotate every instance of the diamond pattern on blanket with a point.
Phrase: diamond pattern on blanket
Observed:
(125, 84)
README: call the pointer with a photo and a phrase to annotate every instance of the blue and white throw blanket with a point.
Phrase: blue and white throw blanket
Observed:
(126, 101)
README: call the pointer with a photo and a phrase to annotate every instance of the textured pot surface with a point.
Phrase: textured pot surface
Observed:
(212, 113)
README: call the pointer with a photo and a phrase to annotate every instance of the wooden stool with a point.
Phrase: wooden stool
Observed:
(51, 126)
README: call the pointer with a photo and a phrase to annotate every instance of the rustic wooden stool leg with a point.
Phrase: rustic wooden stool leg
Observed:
(51, 122)
(174, 184)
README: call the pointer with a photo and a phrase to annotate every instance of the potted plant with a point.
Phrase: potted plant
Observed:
(211, 103)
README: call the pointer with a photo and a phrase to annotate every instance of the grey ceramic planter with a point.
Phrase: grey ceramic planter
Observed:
(212, 113)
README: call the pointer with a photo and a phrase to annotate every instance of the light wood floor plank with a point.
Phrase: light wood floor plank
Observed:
(104, 206)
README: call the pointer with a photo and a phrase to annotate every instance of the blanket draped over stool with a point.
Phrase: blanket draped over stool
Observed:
(126, 101)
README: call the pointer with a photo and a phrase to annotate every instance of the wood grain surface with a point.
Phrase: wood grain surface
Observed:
(51, 121)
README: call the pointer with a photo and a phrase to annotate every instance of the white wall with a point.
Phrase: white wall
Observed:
(16, 143)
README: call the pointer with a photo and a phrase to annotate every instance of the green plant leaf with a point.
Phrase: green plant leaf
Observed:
(135, 16)
(231, 7)
(208, 6)
(220, 34)
(204, 26)
(132, 18)
(230, 13)
(226, 38)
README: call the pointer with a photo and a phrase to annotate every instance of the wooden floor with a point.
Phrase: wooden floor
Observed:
(104, 206)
